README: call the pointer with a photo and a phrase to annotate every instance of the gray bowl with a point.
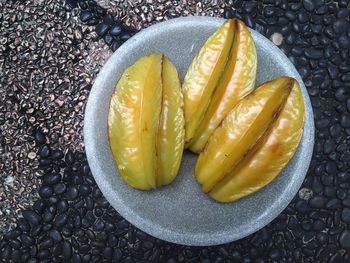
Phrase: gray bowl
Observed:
(181, 212)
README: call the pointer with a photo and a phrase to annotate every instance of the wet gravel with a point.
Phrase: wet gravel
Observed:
(71, 221)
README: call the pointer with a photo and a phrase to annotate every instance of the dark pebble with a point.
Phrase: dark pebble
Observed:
(87, 258)
(108, 39)
(76, 258)
(60, 188)
(302, 17)
(116, 29)
(116, 44)
(340, 26)
(317, 202)
(12, 234)
(32, 217)
(228, 13)
(69, 158)
(52, 179)
(125, 35)
(346, 202)
(313, 53)
(84, 190)
(45, 191)
(42, 254)
(39, 205)
(57, 155)
(108, 19)
(39, 136)
(86, 15)
(341, 94)
(45, 151)
(318, 225)
(249, 7)
(344, 41)
(67, 250)
(67, 232)
(55, 235)
(344, 239)
(345, 215)
(61, 220)
(102, 29)
(309, 5)
(345, 120)
(302, 207)
(26, 240)
(71, 193)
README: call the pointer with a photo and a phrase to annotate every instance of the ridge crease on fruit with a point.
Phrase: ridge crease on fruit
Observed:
(142, 108)
(241, 132)
(237, 80)
(203, 74)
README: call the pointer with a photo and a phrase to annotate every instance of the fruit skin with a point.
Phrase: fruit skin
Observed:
(237, 80)
(272, 154)
(133, 121)
(240, 131)
(202, 76)
(171, 131)
(146, 123)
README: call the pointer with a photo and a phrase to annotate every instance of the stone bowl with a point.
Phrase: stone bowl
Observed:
(180, 212)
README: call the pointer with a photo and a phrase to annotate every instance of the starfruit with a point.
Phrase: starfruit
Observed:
(146, 123)
(235, 80)
(202, 76)
(269, 157)
(254, 142)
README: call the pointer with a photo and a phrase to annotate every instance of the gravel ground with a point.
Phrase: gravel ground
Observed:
(48, 61)
(71, 221)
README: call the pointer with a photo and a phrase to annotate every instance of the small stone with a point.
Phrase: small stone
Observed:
(116, 44)
(45, 191)
(69, 158)
(55, 235)
(45, 151)
(72, 193)
(86, 15)
(317, 202)
(39, 136)
(313, 53)
(345, 216)
(52, 179)
(31, 155)
(32, 217)
(277, 38)
(61, 220)
(60, 188)
(57, 155)
(333, 204)
(346, 202)
(345, 120)
(305, 193)
(228, 13)
(116, 29)
(102, 29)
(340, 26)
(309, 5)
(344, 239)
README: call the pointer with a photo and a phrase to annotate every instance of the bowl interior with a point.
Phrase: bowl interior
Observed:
(181, 212)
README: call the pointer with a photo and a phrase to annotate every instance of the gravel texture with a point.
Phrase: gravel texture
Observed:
(48, 61)
(71, 221)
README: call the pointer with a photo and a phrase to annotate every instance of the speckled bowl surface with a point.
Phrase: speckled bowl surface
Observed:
(181, 212)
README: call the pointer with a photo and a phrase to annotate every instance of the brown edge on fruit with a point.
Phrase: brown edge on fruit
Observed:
(158, 176)
(253, 149)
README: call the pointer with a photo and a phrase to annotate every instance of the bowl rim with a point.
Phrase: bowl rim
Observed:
(166, 234)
